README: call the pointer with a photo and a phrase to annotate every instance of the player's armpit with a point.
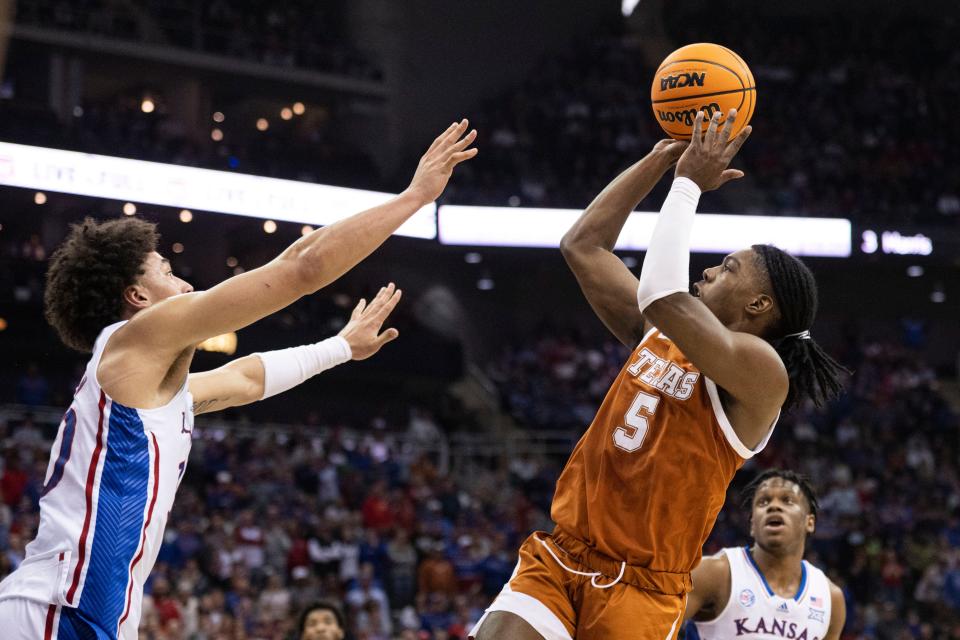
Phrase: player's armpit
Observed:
(838, 613)
(745, 366)
(610, 288)
(236, 383)
(711, 588)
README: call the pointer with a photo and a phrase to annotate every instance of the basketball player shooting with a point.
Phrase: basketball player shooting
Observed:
(768, 590)
(700, 395)
(123, 445)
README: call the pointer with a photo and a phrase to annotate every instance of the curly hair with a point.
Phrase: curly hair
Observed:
(88, 274)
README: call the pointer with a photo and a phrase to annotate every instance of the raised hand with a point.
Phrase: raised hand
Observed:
(706, 160)
(362, 333)
(436, 165)
(670, 150)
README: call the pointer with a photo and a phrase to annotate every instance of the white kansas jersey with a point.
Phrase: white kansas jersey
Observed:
(110, 484)
(755, 612)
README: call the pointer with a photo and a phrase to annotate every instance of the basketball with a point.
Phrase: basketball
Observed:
(705, 77)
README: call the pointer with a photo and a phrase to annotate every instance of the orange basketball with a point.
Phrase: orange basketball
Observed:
(705, 77)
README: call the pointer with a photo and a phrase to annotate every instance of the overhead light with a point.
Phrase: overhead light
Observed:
(147, 106)
(306, 230)
(286, 113)
(627, 7)
(218, 116)
(129, 209)
(473, 258)
(186, 215)
(216, 135)
(78, 111)
(938, 296)
(269, 226)
(299, 108)
(485, 283)
(177, 247)
(40, 197)
(630, 262)
(231, 262)
(224, 343)
(262, 124)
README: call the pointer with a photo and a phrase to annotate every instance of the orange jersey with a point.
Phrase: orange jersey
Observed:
(646, 481)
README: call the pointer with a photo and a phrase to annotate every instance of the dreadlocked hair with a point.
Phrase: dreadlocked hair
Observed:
(750, 491)
(813, 373)
(88, 274)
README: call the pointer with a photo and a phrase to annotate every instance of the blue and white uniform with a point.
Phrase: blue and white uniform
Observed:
(755, 612)
(109, 488)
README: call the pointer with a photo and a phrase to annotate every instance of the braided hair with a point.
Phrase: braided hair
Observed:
(750, 491)
(813, 374)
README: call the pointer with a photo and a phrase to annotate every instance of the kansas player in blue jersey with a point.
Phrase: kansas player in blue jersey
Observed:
(767, 590)
(122, 447)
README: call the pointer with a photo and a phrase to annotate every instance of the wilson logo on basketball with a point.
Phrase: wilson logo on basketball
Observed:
(701, 76)
(682, 80)
(687, 116)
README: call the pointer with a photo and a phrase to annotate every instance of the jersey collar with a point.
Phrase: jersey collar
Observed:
(803, 576)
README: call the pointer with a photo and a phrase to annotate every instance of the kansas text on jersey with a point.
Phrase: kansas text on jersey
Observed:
(755, 612)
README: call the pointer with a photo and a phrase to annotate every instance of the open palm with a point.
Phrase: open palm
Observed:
(362, 332)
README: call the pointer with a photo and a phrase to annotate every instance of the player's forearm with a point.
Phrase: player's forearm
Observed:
(262, 375)
(601, 223)
(236, 383)
(285, 369)
(666, 267)
(327, 253)
(251, 369)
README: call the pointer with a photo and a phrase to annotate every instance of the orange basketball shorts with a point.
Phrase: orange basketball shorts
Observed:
(565, 590)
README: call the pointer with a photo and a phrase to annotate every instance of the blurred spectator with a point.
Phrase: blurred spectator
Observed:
(33, 389)
(295, 33)
(403, 569)
(436, 573)
(13, 480)
(369, 602)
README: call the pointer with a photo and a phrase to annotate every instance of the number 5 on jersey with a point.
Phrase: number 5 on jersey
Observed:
(630, 437)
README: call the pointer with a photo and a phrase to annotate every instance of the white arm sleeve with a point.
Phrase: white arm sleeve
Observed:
(286, 368)
(666, 267)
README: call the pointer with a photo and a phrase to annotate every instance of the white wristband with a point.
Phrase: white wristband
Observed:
(286, 368)
(666, 267)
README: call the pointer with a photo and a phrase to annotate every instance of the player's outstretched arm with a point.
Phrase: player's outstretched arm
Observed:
(745, 366)
(608, 285)
(261, 375)
(711, 588)
(309, 264)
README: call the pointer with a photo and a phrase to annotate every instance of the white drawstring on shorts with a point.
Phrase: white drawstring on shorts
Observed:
(593, 575)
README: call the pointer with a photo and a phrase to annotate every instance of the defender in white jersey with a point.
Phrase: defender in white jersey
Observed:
(122, 446)
(768, 591)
